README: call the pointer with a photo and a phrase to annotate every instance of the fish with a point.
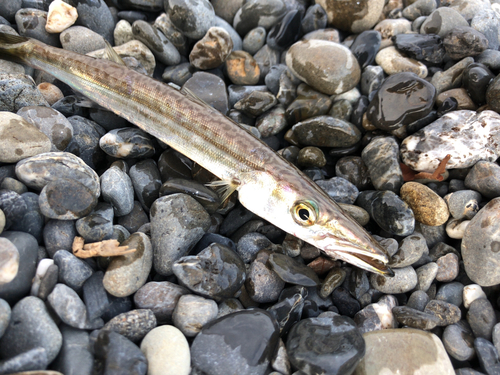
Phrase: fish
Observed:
(267, 184)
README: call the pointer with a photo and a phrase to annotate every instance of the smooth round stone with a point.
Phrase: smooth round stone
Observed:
(31, 321)
(308, 104)
(326, 66)
(146, 180)
(157, 42)
(455, 228)
(13, 206)
(97, 17)
(454, 99)
(242, 69)
(178, 74)
(212, 50)
(123, 32)
(452, 77)
(401, 100)
(212, 351)
(328, 345)
(192, 313)
(178, 221)
(484, 177)
(381, 157)
(21, 91)
(452, 134)
(471, 293)
(311, 157)
(38, 171)
(421, 47)
(31, 23)
(203, 194)
(365, 47)
(113, 353)
(339, 189)
(262, 283)
(393, 62)
(419, 8)
(20, 138)
(167, 351)
(464, 41)
(66, 199)
(50, 122)
(487, 355)
(459, 341)
(410, 250)
(216, 272)
(476, 79)
(133, 325)
(447, 313)
(98, 225)
(5, 314)
(9, 261)
(159, 297)
(326, 131)
(256, 103)
(353, 16)
(451, 292)
(357, 213)
(58, 234)
(463, 204)
(371, 80)
(490, 58)
(258, 13)
(193, 20)
(117, 190)
(428, 207)
(375, 316)
(414, 318)
(127, 273)
(165, 25)
(286, 31)
(480, 252)
(69, 307)
(406, 348)
(254, 40)
(426, 275)
(85, 141)
(404, 280)
(72, 271)
(418, 299)
(442, 21)
(75, 354)
(127, 143)
(481, 317)
(81, 40)
(388, 210)
(486, 23)
(250, 244)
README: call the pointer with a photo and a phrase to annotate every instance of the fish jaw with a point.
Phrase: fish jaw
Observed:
(333, 231)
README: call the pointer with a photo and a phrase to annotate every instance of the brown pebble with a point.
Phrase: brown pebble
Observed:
(428, 207)
(311, 157)
(447, 268)
(212, 50)
(242, 68)
(50, 92)
(322, 265)
(460, 94)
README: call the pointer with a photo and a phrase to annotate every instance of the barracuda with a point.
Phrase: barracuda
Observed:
(267, 184)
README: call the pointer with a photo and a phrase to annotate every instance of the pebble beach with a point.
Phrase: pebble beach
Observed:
(391, 106)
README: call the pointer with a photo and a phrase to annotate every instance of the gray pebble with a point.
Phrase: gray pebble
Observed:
(97, 17)
(254, 40)
(157, 42)
(69, 307)
(192, 313)
(484, 177)
(33, 359)
(98, 225)
(58, 235)
(418, 300)
(133, 325)
(193, 20)
(117, 189)
(451, 292)
(426, 275)
(210, 88)
(94, 295)
(481, 317)
(81, 40)
(262, 283)
(72, 271)
(85, 141)
(31, 23)
(404, 280)
(410, 250)
(127, 143)
(76, 352)
(459, 341)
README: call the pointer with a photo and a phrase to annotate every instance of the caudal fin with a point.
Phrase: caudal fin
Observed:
(13, 47)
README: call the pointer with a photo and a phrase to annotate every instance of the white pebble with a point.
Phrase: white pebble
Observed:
(41, 270)
(60, 16)
(472, 292)
(9, 261)
(455, 228)
(167, 351)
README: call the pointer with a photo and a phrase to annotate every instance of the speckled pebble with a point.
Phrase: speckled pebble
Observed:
(428, 207)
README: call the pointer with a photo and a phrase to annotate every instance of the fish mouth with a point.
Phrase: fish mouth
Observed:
(372, 258)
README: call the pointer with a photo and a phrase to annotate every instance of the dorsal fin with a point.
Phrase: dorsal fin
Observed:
(112, 55)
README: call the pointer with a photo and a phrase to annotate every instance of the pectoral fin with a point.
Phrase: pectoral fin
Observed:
(224, 187)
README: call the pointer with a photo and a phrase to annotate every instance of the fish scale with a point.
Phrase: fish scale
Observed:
(267, 184)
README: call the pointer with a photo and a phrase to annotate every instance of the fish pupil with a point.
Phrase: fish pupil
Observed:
(304, 214)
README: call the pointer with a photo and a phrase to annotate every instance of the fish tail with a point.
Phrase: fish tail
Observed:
(14, 47)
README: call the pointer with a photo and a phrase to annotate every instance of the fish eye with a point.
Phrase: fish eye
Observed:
(304, 213)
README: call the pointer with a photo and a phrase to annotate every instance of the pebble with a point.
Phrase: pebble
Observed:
(31, 23)
(326, 131)
(464, 41)
(339, 189)
(163, 49)
(113, 353)
(21, 138)
(31, 320)
(95, 296)
(193, 20)
(242, 68)
(451, 292)
(271, 122)
(330, 345)
(5, 314)
(9, 261)
(388, 210)
(426, 275)
(459, 341)
(75, 354)
(410, 250)
(428, 207)
(463, 204)
(402, 99)
(192, 313)
(73, 271)
(471, 293)
(159, 297)
(70, 308)
(179, 214)
(146, 180)
(262, 283)
(216, 272)
(201, 82)
(117, 189)
(452, 134)
(31, 360)
(484, 178)
(212, 350)
(335, 71)
(291, 271)
(479, 253)
(487, 355)
(481, 317)
(353, 16)
(381, 157)
(415, 319)
(286, 31)
(127, 143)
(406, 348)
(448, 268)
(60, 16)
(418, 299)
(442, 21)
(476, 79)
(375, 316)
(134, 324)
(258, 13)
(393, 62)
(127, 273)
(254, 40)
(447, 313)
(212, 50)
(167, 351)
(51, 93)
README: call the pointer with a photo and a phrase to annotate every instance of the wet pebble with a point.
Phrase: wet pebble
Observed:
(326, 131)
(256, 103)
(353, 16)
(127, 143)
(262, 283)
(216, 272)
(291, 271)
(311, 157)
(242, 69)
(393, 62)
(218, 338)
(192, 20)
(339, 189)
(210, 88)
(464, 41)
(212, 50)
(428, 207)
(146, 180)
(442, 21)
(330, 345)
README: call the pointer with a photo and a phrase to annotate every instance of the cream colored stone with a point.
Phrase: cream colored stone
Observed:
(60, 16)
(9, 261)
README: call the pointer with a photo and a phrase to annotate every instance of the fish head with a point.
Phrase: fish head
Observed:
(303, 209)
